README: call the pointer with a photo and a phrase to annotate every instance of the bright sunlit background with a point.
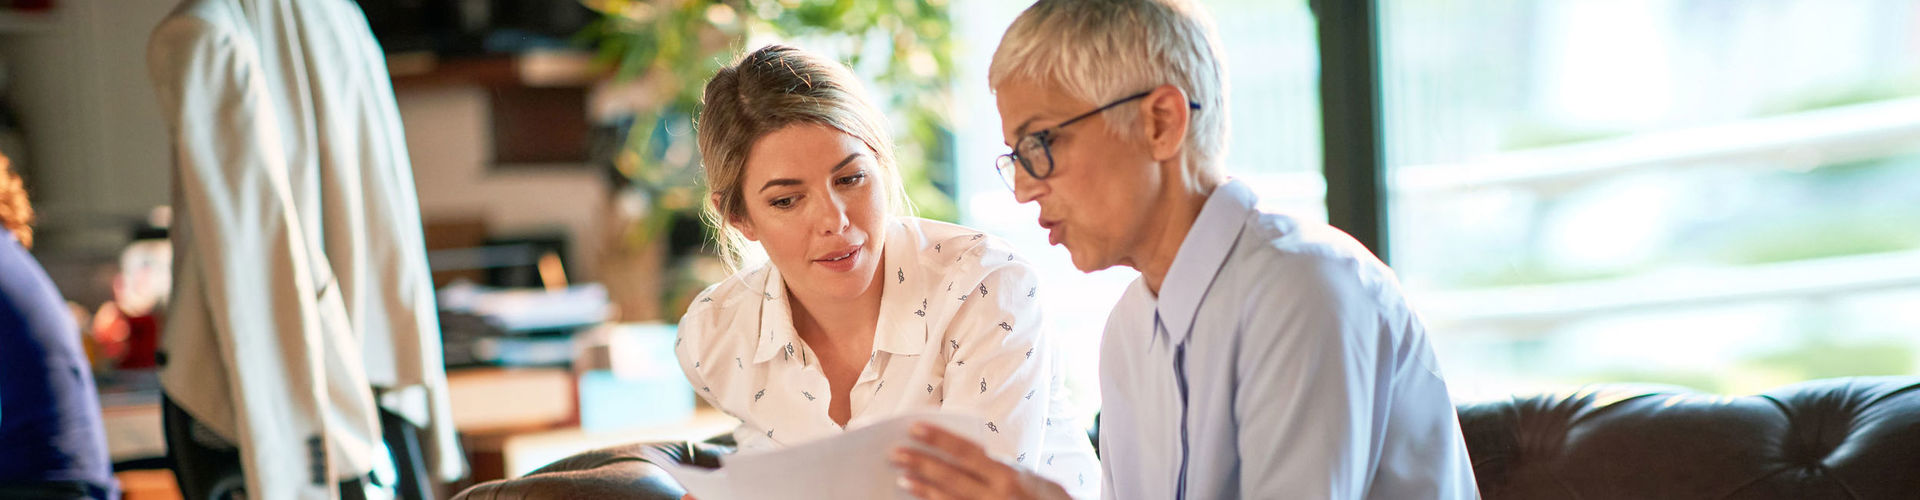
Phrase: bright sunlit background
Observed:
(1722, 195)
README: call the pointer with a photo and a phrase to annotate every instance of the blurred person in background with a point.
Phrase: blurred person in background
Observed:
(52, 444)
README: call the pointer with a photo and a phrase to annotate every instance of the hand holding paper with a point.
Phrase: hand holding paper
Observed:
(947, 466)
(851, 465)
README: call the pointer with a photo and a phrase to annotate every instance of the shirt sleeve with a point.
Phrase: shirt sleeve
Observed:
(1108, 490)
(691, 341)
(1308, 362)
(996, 366)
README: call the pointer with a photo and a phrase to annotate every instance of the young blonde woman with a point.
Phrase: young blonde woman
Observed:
(861, 312)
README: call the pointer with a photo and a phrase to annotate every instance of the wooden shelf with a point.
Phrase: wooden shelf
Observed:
(538, 103)
(28, 23)
(547, 69)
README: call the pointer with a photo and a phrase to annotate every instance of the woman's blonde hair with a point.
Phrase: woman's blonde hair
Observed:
(15, 213)
(765, 91)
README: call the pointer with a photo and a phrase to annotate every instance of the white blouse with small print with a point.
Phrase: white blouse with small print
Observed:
(960, 329)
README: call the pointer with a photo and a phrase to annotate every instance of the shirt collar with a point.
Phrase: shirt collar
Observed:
(1201, 256)
(898, 330)
(777, 338)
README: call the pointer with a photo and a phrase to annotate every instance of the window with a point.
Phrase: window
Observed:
(1722, 195)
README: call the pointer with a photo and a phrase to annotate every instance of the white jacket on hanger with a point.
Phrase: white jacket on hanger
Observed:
(301, 279)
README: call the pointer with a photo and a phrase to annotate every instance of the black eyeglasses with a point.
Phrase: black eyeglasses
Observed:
(1038, 145)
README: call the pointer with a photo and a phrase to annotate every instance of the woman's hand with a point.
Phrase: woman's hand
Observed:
(969, 474)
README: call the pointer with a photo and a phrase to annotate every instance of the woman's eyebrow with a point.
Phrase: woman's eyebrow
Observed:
(795, 182)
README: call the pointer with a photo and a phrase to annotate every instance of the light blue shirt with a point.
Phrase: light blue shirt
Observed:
(1279, 361)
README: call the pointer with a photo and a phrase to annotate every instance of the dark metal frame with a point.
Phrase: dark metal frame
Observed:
(1350, 116)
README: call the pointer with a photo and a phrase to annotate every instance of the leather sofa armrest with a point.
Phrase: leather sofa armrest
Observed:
(625, 471)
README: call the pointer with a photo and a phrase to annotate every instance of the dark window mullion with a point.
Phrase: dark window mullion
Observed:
(1350, 117)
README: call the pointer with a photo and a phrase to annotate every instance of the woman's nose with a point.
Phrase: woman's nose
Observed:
(1026, 188)
(834, 219)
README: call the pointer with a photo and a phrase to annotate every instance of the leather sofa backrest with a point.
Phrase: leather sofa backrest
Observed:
(1835, 438)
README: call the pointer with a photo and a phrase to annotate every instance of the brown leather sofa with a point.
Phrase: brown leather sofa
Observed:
(1853, 438)
(1849, 438)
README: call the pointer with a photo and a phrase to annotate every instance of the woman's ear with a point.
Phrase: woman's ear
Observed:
(738, 222)
(1165, 116)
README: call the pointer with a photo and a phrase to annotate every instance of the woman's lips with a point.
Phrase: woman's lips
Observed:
(1056, 232)
(841, 262)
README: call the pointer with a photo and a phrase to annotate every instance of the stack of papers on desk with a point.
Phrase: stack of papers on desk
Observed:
(852, 465)
(525, 309)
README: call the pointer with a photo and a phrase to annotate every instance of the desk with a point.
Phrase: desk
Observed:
(134, 431)
(130, 407)
(130, 413)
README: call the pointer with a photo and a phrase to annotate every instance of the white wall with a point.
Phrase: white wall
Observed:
(98, 153)
(448, 137)
(97, 149)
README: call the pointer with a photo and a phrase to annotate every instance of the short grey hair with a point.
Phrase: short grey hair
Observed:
(1101, 50)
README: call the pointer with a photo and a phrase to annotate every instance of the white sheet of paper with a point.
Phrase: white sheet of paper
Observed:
(699, 482)
(852, 465)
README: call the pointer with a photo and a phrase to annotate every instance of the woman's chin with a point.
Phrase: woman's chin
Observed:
(841, 285)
